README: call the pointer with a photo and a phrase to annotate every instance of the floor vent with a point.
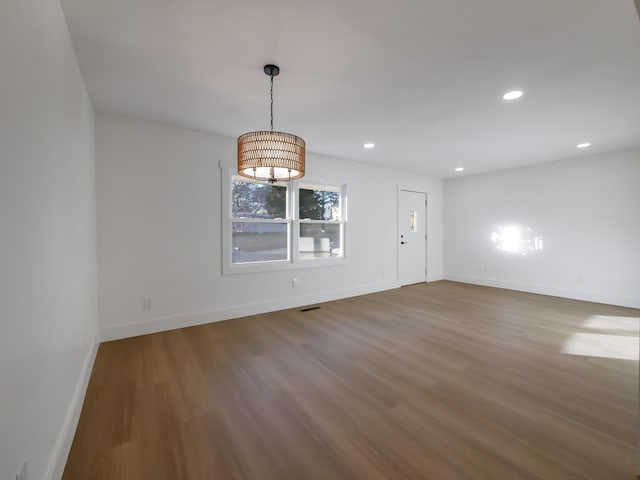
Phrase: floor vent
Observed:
(308, 309)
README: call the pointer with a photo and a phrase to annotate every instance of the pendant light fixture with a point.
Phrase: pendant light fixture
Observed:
(268, 155)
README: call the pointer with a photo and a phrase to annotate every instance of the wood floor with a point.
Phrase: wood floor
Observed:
(432, 381)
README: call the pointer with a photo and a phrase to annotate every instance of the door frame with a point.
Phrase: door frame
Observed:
(407, 188)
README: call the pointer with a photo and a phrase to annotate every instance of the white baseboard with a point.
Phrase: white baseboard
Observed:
(552, 291)
(134, 329)
(65, 439)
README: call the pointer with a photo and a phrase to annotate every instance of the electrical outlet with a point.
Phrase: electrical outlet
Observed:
(22, 473)
(294, 282)
(581, 278)
(146, 303)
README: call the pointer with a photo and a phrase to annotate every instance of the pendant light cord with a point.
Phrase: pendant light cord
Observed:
(271, 102)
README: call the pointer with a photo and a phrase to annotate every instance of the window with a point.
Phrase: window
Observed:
(281, 225)
(260, 227)
(320, 221)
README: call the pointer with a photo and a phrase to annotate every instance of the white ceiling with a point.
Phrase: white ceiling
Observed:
(423, 79)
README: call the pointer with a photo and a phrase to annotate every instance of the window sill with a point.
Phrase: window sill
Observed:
(282, 265)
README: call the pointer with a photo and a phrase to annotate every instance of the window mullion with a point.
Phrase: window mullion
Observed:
(295, 224)
(331, 222)
(258, 220)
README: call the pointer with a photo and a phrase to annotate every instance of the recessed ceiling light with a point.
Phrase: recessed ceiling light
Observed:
(369, 145)
(583, 145)
(513, 95)
(459, 169)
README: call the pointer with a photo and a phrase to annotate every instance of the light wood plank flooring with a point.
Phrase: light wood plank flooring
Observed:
(431, 381)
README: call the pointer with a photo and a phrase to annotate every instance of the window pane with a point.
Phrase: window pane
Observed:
(258, 242)
(258, 200)
(320, 240)
(319, 203)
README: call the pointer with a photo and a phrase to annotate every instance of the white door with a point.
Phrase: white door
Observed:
(412, 241)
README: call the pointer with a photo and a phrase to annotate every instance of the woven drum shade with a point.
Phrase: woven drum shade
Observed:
(271, 156)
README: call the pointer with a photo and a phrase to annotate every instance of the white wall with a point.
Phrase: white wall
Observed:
(587, 209)
(48, 317)
(159, 231)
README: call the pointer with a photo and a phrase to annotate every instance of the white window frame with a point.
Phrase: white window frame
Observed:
(299, 221)
(293, 229)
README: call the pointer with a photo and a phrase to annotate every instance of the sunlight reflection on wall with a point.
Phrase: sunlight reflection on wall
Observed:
(516, 239)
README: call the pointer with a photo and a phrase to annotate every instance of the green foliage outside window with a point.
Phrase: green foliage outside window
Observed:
(318, 204)
(258, 200)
